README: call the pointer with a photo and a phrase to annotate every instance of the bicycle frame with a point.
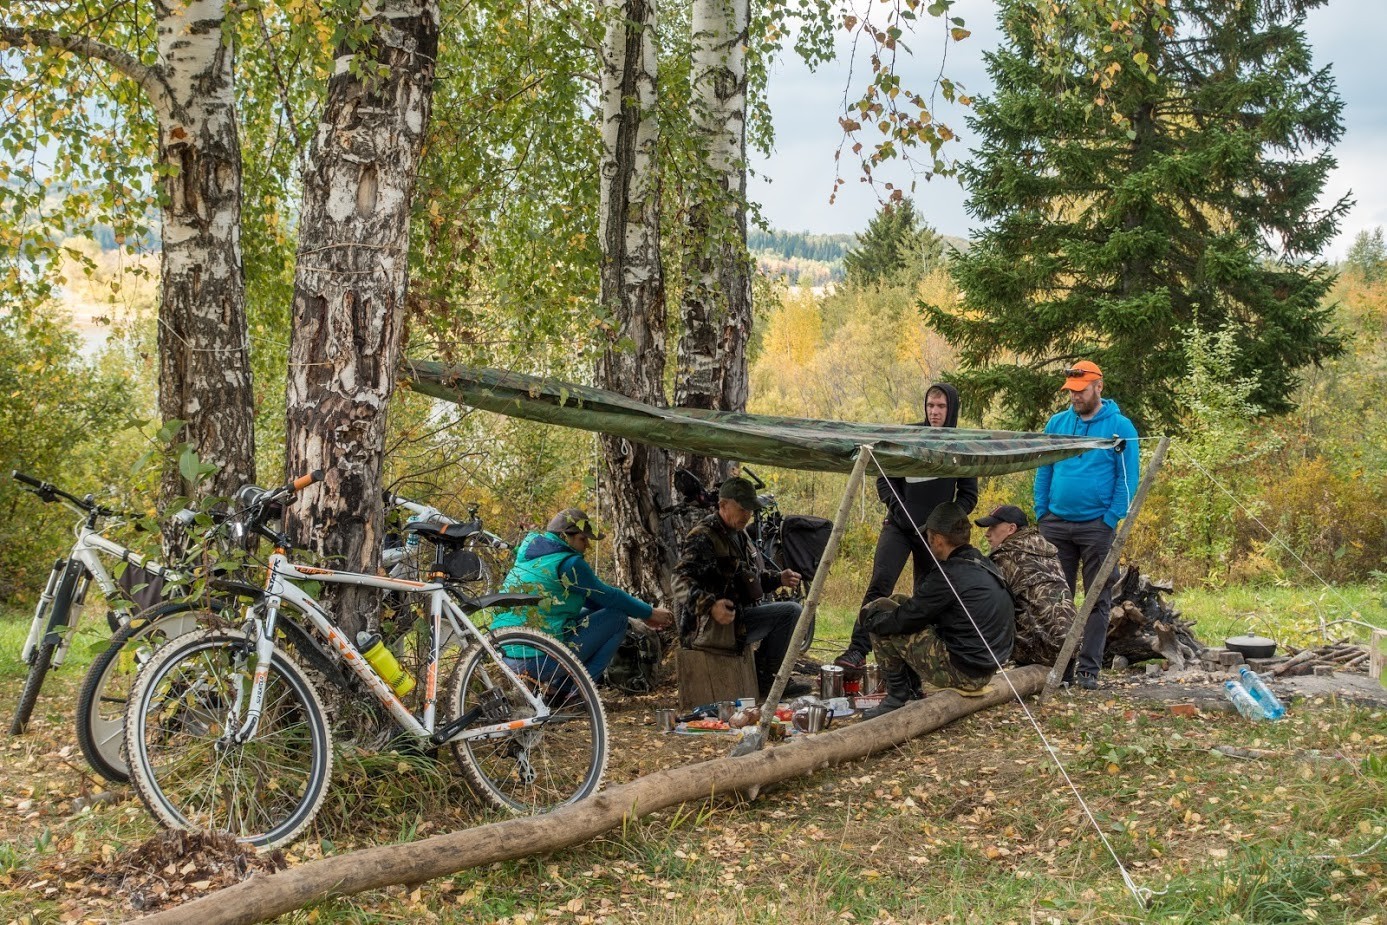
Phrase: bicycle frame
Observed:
(88, 550)
(280, 589)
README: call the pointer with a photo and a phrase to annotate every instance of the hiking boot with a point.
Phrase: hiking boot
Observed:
(888, 703)
(1088, 682)
(851, 661)
(900, 690)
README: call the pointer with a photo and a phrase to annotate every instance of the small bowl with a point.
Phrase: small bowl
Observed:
(1252, 646)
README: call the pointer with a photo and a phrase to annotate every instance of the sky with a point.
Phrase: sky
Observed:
(793, 185)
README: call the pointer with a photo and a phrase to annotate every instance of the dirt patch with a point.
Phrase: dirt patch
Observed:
(1205, 688)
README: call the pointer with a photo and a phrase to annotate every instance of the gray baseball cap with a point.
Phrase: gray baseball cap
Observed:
(573, 521)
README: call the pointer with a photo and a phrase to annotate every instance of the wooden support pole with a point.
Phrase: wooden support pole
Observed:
(816, 590)
(1091, 592)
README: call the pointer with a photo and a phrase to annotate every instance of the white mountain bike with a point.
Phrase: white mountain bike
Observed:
(226, 732)
(136, 630)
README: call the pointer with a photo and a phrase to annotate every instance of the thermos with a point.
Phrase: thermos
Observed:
(383, 660)
(830, 681)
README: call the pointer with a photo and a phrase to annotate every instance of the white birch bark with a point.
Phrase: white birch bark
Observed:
(716, 304)
(633, 292)
(350, 283)
(204, 357)
(204, 362)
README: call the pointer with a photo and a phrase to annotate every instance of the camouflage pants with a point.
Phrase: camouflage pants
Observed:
(925, 652)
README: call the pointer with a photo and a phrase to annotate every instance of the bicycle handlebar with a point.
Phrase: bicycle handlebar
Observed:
(48, 493)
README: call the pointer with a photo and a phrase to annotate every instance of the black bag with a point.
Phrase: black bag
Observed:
(635, 668)
(141, 587)
(802, 543)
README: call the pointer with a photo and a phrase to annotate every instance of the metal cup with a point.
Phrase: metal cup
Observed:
(726, 708)
(871, 680)
(664, 720)
(813, 717)
(830, 681)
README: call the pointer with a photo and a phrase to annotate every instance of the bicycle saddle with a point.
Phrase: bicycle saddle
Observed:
(444, 534)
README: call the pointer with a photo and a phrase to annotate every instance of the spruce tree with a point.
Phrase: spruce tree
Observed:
(896, 247)
(1126, 200)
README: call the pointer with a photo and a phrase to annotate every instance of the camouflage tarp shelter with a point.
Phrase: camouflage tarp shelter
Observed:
(790, 443)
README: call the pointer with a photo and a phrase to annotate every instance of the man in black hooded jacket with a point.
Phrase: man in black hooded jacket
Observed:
(909, 502)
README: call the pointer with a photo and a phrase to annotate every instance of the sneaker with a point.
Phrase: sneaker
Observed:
(1088, 682)
(851, 661)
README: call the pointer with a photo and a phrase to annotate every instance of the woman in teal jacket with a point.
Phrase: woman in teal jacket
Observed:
(578, 607)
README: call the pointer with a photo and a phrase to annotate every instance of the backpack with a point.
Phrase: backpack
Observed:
(635, 669)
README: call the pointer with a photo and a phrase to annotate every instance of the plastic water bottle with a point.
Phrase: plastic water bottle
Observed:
(383, 660)
(1271, 705)
(1249, 708)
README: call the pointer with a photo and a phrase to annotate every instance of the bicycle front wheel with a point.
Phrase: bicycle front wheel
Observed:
(185, 708)
(41, 661)
(106, 689)
(538, 768)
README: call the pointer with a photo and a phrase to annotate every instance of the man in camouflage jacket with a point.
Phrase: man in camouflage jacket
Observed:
(718, 589)
(1031, 567)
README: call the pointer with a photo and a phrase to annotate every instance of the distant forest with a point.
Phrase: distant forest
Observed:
(800, 258)
(828, 248)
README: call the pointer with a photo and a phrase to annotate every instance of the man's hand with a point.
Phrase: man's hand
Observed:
(790, 578)
(660, 617)
(879, 616)
(724, 611)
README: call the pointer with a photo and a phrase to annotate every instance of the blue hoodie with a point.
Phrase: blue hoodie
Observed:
(1092, 485)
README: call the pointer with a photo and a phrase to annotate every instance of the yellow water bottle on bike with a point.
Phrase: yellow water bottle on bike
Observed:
(383, 660)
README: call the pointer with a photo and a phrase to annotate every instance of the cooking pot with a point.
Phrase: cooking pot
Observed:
(1252, 646)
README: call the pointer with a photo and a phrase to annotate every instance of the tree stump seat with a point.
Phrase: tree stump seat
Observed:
(706, 677)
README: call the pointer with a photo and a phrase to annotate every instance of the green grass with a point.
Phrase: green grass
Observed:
(1296, 616)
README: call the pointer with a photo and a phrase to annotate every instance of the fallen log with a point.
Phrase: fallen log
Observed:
(261, 898)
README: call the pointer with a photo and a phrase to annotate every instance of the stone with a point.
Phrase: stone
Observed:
(1227, 659)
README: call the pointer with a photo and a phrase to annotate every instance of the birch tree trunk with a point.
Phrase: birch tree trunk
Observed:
(204, 361)
(716, 307)
(204, 356)
(350, 283)
(633, 295)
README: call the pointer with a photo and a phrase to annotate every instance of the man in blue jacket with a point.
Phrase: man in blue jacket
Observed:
(578, 607)
(1079, 501)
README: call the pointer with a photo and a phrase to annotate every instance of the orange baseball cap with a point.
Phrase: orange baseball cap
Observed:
(1081, 374)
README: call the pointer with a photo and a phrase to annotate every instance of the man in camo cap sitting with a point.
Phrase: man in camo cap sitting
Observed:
(955, 630)
(1031, 568)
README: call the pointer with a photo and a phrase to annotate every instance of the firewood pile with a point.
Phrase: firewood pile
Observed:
(1335, 656)
(1143, 625)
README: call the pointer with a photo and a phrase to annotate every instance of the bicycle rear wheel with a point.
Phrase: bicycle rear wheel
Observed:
(541, 767)
(185, 766)
(106, 689)
(42, 658)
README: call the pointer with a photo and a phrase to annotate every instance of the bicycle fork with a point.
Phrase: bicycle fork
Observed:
(40, 622)
(250, 700)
